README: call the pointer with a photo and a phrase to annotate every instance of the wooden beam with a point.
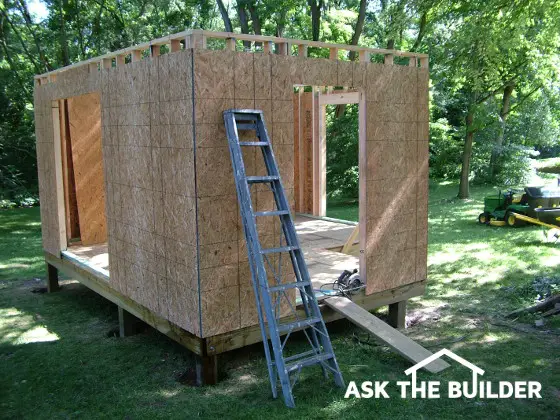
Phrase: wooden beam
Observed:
(52, 279)
(412, 62)
(206, 370)
(397, 314)
(339, 98)
(389, 59)
(349, 245)
(155, 50)
(365, 56)
(59, 177)
(107, 63)
(333, 53)
(424, 62)
(136, 55)
(93, 67)
(175, 45)
(121, 60)
(397, 341)
(267, 47)
(250, 335)
(230, 44)
(362, 197)
(282, 48)
(302, 50)
(99, 283)
(195, 40)
(128, 323)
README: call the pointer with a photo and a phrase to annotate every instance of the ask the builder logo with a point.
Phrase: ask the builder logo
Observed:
(475, 388)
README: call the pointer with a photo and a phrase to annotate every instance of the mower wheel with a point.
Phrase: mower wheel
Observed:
(484, 218)
(510, 219)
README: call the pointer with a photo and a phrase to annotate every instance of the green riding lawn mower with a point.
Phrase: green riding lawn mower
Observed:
(535, 206)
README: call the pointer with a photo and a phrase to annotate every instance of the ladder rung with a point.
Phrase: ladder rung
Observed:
(272, 213)
(257, 179)
(245, 126)
(298, 324)
(254, 143)
(308, 361)
(287, 286)
(281, 249)
(301, 355)
(245, 116)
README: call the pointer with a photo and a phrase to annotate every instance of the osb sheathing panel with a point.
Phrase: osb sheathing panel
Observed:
(397, 175)
(151, 205)
(84, 115)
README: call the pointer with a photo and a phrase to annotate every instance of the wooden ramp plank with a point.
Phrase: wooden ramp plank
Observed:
(399, 342)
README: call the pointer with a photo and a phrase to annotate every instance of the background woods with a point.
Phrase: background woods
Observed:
(495, 66)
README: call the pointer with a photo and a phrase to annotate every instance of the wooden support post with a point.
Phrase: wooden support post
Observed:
(282, 48)
(365, 56)
(107, 63)
(397, 314)
(136, 55)
(424, 62)
(121, 60)
(175, 45)
(51, 78)
(128, 323)
(389, 59)
(412, 62)
(206, 370)
(267, 47)
(155, 50)
(195, 40)
(44, 80)
(230, 44)
(302, 50)
(52, 278)
(333, 53)
(93, 67)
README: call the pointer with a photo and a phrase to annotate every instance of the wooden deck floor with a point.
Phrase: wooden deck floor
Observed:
(317, 237)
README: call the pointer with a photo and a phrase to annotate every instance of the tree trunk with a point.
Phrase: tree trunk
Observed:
(243, 22)
(63, 38)
(341, 109)
(467, 153)
(315, 6)
(256, 21)
(421, 31)
(225, 17)
(499, 141)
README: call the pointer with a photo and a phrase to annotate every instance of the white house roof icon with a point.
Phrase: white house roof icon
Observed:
(447, 353)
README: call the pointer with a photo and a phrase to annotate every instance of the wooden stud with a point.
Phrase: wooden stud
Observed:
(206, 370)
(362, 197)
(333, 53)
(44, 80)
(267, 47)
(424, 62)
(389, 59)
(230, 44)
(136, 55)
(128, 323)
(195, 40)
(412, 62)
(52, 279)
(121, 60)
(59, 181)
(107, 63)
(51, 78)
(155, 50)
(93, 67)
(282, 48)
(365, 56)
(397, 314)
(175, 45)
(302, 50)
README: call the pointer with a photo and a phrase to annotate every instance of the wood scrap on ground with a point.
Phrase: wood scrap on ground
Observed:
(545, 305)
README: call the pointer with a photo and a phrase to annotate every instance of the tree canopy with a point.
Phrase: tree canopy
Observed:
(495, 66)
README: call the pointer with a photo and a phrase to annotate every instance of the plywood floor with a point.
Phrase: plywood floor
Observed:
(317, 237)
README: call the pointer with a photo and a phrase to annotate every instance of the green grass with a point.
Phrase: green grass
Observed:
(58, 358)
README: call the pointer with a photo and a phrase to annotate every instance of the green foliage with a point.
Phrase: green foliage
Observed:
(342, 153)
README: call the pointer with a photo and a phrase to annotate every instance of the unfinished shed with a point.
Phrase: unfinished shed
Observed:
(138, 199)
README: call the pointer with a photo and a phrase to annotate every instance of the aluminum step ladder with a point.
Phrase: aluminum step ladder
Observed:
(272, 291)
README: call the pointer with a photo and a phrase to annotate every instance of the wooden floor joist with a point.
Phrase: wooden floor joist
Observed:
(397, 341)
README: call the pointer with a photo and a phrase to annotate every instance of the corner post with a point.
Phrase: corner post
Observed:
(206, 370)
(397, 314)
(128, 323)
(52, 279)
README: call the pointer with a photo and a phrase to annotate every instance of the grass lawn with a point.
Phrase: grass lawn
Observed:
(59, 357)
